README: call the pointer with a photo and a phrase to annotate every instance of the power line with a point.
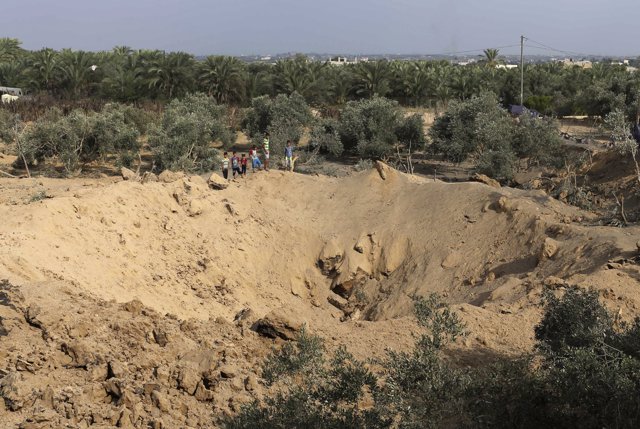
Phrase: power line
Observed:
(473, 50)
(562, 51)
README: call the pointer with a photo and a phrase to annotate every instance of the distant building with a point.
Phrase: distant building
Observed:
(570, 62)
(10, 91)
(339, 61)
(506, 66)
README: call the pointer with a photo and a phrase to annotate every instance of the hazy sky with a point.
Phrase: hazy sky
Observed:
(336, 26)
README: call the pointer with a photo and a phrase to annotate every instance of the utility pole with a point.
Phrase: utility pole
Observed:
(521, 71)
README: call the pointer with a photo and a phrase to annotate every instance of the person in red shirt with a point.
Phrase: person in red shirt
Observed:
(243, 165)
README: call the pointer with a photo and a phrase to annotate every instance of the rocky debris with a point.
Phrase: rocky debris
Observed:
(188, 379)
(503, 205)
(168, 176)
(31, 316)
(553, 282)
(80, 354)
(279, 323)
(13, 391)
(196, 207)
(217, 182)
(244, 315)
(251, 383)
(128, 174)
(134, 307)
(231, 209)
(382, 169)
(330, 256)
(160, 400)
(338, 302)
(149, 177)
(486, 180)
(548, 249)
(116, 370)
(160, 337)
(452, 260)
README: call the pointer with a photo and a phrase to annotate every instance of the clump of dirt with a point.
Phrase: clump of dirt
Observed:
(152, 304)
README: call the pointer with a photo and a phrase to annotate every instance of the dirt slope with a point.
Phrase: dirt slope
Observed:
(131, 304)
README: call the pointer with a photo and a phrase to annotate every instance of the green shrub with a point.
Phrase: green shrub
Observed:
(325, 136)
(7, 122)
(575, 320)
(313, 393)
(585, 373)
(80, 137)
(481, 130)
(283, 117)
(410, 131)
(183, 139)
(368, 127)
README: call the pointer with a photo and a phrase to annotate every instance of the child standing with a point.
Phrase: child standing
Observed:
(225, 166)
(235, 164)
(243, 164)
(255, 159)
(288, 156)
(265, 149)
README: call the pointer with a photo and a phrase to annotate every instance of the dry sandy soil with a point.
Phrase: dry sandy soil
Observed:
(152, 304)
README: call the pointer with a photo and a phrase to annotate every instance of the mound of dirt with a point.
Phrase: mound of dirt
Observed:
(151, 304)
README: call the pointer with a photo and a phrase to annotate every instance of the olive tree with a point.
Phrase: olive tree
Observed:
(619, 132)
(183, 140)
(283, 117)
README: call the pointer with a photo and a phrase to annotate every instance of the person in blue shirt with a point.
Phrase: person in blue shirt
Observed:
(288, 156)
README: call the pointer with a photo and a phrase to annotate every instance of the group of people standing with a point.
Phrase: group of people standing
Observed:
(238, 164)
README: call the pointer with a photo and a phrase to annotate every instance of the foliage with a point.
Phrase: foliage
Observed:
(129, 75)
(305, 354)
(620, 136)
(325, 136)
(188, 127)
(283, 117)
(576, 320)
(454, 133)
(586, 373)
(80, 137)
(7, 123)
(481, 130)
(368, 127)
(411, 131)
(318, 394)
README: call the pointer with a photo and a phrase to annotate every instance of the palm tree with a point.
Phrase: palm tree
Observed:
(75, 69)
(10, 49)
(414, 80)
(223, 78)
(298, 75)
(43, 70)
(123, 80)
(339, 84)
(171, 74)
(491, 57)
(11, 73)
(372, 78)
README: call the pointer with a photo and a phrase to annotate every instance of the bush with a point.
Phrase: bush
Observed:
(586, 374)
(7, 122)
(313, 393)
(283, 117)
(410, 131)
(188, 127)
(538, 140)
(368, 127)
(481, 130)
(81, 137)
(325, 137)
